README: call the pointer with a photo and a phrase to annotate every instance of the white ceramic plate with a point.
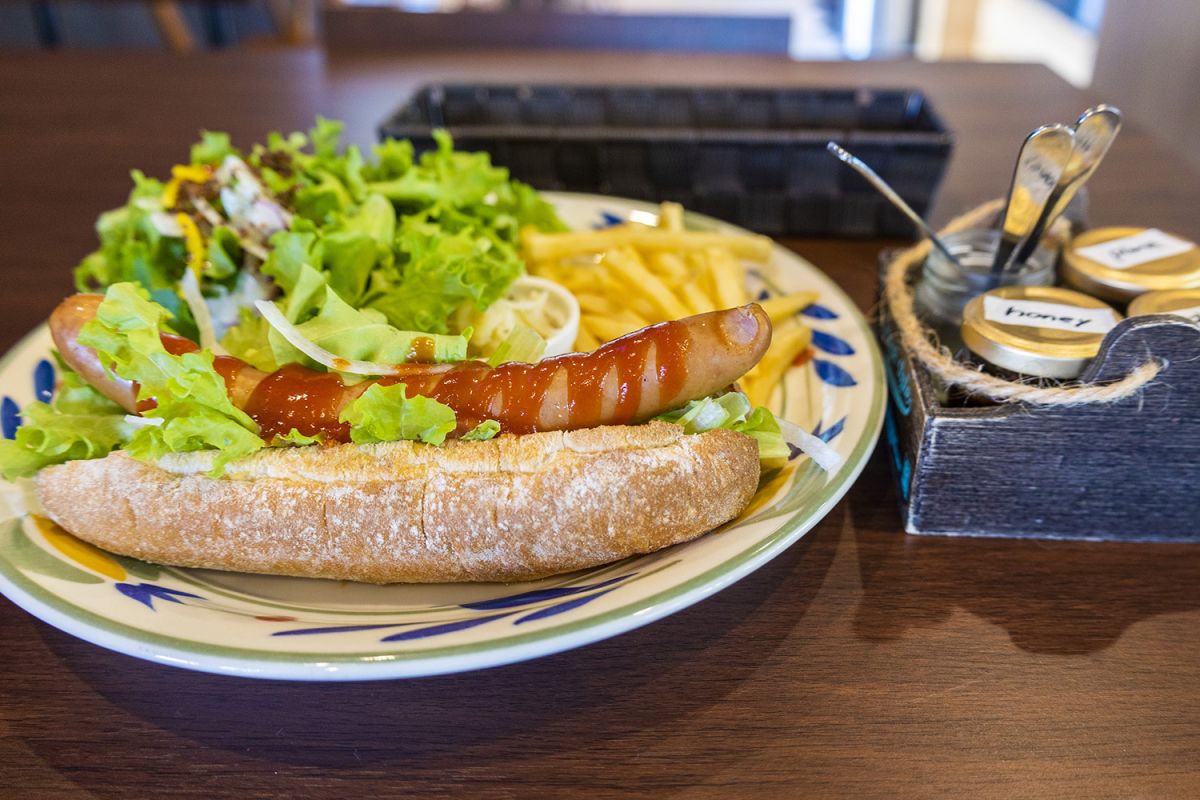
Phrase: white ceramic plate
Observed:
(293, 628)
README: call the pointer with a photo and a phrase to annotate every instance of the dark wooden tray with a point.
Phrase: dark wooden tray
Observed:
(1128, 470)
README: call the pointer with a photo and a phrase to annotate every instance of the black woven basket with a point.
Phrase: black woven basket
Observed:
(754, 156)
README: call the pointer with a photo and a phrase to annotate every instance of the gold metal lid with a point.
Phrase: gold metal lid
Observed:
(1054, 332)
(1181, 271)
(1184, 302)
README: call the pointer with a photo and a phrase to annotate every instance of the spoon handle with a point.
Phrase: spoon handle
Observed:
(1043, 158)
(859, 166)
(1095, 131)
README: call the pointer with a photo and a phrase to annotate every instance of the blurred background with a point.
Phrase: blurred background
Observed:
(1143, 55)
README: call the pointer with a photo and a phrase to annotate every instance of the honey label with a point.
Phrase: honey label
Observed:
(1130, 251)
(1036, 314)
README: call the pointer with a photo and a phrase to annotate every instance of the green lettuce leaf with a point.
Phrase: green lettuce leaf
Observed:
(330, 322)
(78, 423)
(437, 271)
(483, 431)
(250, 341)
(212, 148)
(296, 438)
(189, 395)
(732, 411)
(384, 414)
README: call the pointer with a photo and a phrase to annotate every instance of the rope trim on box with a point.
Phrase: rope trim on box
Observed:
(917, 339)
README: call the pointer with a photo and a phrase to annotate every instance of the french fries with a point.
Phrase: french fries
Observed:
(789, 340)
(553, 246)
(629, 276)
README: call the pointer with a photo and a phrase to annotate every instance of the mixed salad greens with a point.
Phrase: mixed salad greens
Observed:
(301, 251)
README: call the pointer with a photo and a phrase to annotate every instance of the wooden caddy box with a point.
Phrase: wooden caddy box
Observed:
(1129, 470)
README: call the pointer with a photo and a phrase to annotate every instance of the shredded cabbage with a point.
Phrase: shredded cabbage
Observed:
(522, 344)
(529, 302)
(732, 410)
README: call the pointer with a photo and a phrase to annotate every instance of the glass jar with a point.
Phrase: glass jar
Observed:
(945, 287)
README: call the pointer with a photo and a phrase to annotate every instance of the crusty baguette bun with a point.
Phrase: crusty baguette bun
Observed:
(513, 508)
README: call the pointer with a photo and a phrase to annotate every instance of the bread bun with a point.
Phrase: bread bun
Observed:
(513, 508)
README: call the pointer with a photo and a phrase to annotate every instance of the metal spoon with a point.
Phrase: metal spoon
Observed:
(1043, 158)
(1095, 131)
(896, 200)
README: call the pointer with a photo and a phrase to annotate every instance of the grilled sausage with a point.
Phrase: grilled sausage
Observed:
(627, 380)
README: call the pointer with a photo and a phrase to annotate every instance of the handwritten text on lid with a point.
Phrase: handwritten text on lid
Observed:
(1036, 314)
(1130, 251)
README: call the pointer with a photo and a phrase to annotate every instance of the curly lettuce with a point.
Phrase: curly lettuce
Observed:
(78, 423)
(191, 407)
(385, 414)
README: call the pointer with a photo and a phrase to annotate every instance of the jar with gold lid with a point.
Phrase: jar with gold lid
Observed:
(1118, 264)
(1180, 302)
(1036, 331)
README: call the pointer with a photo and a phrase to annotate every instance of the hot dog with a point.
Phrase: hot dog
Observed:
(569, 487)
(627, 380)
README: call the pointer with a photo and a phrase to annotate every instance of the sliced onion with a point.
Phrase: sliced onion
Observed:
(287, 330)
(143, 422)
(814, 447)
(189, 287)
(166, 224)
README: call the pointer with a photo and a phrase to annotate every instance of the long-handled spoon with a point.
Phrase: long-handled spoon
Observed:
(1043, 159)
(1095, 131)
(859, 166)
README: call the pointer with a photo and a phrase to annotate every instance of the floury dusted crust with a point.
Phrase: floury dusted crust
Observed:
(513, 508)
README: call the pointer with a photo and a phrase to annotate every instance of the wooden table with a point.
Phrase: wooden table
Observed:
(859, 663)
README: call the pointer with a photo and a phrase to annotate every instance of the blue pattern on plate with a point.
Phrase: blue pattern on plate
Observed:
(829, 433)
(446, 627)
(818, 311)
(10, 417)
(526, 598)
(608, 220)
(145, 593)
(550, 611)
(831, 344)
(833, 374)
(43, 381)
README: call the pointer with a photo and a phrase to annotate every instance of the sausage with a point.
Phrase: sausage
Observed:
(65, 322)
(627, 380)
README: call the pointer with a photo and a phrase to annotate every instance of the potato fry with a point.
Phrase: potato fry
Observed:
(590, 303)
(628, 266)
(670, 216)
(790, 340)
(728, 277)
(606, 328)
(784, 306)
(549, 246)
(698, 302)
(585, 342)
(672, 268)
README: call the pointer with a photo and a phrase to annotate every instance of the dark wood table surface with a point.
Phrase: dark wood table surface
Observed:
(860, 662)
